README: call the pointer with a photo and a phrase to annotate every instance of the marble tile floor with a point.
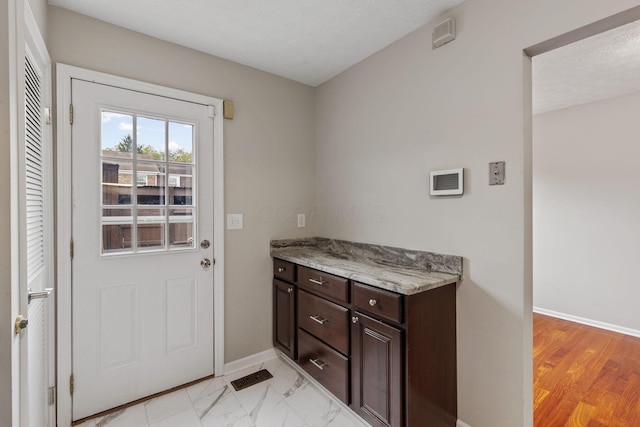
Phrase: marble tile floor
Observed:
(286, 400)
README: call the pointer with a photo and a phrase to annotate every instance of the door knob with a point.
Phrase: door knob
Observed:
(205, 263)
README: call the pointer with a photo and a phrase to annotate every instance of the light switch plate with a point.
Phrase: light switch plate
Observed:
(235, 221)
(302, 220)
(496, 173)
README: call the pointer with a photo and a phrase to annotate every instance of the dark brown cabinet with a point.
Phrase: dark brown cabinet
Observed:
(376, 372)
(390, 357)
(328, 366)
(284, 308)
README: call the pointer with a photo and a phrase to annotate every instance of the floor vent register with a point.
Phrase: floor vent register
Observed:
(251, 379)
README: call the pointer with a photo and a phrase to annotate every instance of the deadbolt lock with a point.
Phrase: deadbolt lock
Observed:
(21, 324)
(205, 244)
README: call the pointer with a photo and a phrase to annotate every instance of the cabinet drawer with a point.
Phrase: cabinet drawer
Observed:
(284, 270)
(324, 283)
(323, 363)
(381, 303)
(324, 319)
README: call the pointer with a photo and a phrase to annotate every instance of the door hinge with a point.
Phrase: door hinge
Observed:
(48, 115)
(72, 384)
(52, 395)
(211, 111)
(71, 249)
(70, 113)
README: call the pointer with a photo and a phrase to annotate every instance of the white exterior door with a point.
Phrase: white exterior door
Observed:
(142, 211)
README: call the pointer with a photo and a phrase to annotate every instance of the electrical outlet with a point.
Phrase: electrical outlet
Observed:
(302, 220)
(496, 173)
(234, 221)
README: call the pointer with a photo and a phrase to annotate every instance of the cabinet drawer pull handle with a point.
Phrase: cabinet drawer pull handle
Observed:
(289, 290)
(318, 319)
(372, 302)
(318, 363)
(281, 269)
(317, 282)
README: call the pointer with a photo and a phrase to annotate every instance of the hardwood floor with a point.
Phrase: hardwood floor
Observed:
(584, 376)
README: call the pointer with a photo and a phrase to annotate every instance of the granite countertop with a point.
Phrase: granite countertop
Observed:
(399, 270)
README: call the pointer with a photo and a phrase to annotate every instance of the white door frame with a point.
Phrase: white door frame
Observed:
(63, 83)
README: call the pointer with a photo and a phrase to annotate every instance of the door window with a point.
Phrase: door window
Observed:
(156, 210)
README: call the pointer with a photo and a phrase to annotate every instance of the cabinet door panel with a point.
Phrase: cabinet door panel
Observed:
(377, 372)
(284, 317)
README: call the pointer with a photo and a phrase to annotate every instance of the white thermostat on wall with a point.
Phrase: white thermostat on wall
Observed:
(446, 182)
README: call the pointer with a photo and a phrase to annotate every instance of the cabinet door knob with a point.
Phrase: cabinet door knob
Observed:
(281, 269)
(289, 290)
(354, 319)
(372, 302)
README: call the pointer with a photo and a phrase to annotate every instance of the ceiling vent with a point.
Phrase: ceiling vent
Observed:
(444, 32)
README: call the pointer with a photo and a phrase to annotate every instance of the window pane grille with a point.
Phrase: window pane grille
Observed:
(148, 166)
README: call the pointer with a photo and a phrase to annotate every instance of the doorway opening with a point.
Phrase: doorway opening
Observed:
(584, 223)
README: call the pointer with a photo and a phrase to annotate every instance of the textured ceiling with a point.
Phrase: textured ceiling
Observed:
(309, 41)
(593, 69)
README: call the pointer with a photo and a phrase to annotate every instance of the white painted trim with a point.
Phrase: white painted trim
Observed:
(64, 75)
(248, 361)
(17, 299)
(63, 226)
(588, 322)
(461, 423)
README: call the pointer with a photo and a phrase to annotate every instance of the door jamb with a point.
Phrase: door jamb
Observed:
(64, 74)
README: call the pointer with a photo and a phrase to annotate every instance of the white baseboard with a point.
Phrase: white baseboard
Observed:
(245, 362)
(462, 424)
(588, 322)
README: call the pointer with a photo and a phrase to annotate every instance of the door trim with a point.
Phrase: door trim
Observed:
(64, 209)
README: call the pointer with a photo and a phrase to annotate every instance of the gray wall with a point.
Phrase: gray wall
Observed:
(269, 154)
(385, 123)
(586, 210)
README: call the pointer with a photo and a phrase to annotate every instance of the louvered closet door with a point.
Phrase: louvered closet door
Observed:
(36, 228)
